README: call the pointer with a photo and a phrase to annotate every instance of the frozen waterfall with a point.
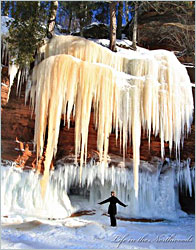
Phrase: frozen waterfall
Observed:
(145, 97)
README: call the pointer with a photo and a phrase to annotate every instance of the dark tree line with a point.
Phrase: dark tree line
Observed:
(34, 21)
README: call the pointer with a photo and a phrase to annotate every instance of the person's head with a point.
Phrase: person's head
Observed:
(113, 193)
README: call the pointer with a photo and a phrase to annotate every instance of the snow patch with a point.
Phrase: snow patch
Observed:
(5, 22)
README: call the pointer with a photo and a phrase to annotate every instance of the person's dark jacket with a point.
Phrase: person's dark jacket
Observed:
(112, 207)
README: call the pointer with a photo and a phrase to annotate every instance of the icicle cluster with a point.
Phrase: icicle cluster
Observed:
(65, 84)
(4, 51)
(158, 190)
(22, 76)
(186, 176)
(155, 95)
(13, 68)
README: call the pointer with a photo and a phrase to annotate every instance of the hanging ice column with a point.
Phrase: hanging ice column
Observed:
(13, 69)
(158, 189)
(150, 94)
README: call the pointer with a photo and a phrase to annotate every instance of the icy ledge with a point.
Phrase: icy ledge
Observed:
(158, 191)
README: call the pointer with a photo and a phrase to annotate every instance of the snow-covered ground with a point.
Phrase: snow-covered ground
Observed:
(94, 231)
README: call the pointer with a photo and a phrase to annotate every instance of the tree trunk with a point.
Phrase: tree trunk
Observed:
(52, 18)
(6, 8)
(113, 26)
(135, 27)
(119, 20)
(70, 19)
(127, 11)
(82, 16)
(81, 26)
(86, 16)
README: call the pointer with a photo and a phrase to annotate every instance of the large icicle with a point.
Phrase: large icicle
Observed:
(12, 71)
(146, 98)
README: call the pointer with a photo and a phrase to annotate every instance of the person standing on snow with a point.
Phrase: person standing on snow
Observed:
(112, 207)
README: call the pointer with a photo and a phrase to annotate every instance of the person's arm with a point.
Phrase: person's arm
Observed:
(105, 201)
(119, 202)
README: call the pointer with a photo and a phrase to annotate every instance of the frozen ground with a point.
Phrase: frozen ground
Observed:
(94, 232)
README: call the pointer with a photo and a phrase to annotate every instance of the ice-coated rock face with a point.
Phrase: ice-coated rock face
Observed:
(158, 190)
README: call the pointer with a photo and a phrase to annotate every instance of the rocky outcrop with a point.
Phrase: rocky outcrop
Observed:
(95, 31)
(169, 28)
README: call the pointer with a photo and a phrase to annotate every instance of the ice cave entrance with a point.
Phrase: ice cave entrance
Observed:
(158, 190)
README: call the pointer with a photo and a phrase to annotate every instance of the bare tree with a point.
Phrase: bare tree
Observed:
(112, 26)
(178, 32)
(180, 36)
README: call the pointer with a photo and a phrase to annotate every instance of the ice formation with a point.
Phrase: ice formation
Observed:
(21, 193)
(14, 71)
(4, 51)
(158, 189)
(147, 98)
(68, 84)
(81, 48)
(5, 57)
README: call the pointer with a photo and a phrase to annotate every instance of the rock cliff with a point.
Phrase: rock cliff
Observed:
(18, 131)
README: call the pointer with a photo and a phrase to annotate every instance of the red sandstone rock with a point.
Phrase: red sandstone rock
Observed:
(17, 122)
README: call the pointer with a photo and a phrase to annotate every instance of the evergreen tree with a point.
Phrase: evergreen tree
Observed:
(84, 14)
(27, 31)
(102, 13)
(77, 14)
(65, 16)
